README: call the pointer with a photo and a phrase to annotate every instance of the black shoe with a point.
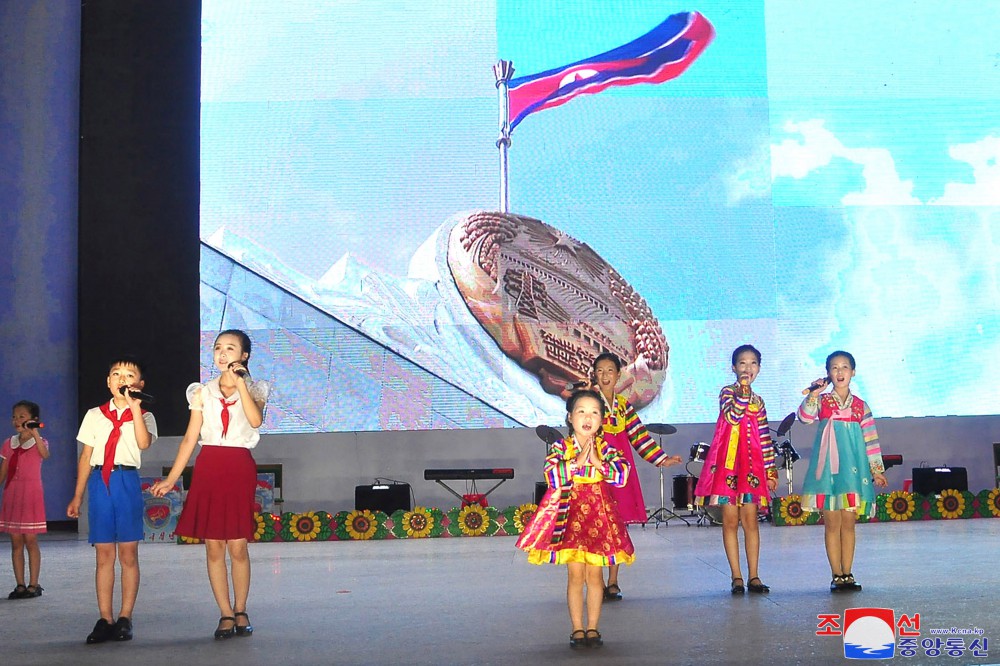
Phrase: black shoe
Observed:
(837, 584)
(594, 638)
(578, 639)
(32, 591)
(737, 588)
(19, 592)
(102, 632)
(122, 631)
(613, 592)
(245, 630)
(850, 585)
(758, 587)
(221, 633)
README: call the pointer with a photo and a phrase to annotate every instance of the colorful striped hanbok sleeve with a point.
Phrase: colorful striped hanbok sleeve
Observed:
(556, 470)
(809, 410)
(872, 447)
(732, 405)
(618, 467)
(639, 437)
(766, 445)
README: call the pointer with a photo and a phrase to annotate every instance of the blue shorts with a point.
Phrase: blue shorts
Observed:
(115, 511)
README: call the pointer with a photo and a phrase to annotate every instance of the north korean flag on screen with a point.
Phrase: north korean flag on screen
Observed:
(660, 55)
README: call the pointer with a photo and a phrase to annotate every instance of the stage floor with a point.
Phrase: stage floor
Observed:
(477, 601)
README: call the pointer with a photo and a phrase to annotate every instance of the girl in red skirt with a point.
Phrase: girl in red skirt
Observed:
(739, 472)
(22, 513)
(577, 522)
(225, 416)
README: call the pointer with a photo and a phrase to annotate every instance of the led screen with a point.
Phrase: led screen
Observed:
(820, 176)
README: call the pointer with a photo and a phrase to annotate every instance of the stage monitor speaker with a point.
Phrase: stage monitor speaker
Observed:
(932, 480)
(996, 462)
(385, 497)
(540, 488)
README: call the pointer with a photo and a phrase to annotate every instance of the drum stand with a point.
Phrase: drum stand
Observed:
(789, 461)
(787, 452)
(663, 514)
(789, 456)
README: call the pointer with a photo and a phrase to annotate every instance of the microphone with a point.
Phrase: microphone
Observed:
(241, 372)
(137, 395)
(30, 425)
(820, 383)
(572, 386)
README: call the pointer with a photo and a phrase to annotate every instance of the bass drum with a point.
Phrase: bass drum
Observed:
(683, 496)
(713, 514)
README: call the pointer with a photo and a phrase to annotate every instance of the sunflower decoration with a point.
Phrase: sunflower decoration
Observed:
(970, 504)
(989, 503)
(187, 540)
(899, 505)
(473, 520)
(267, 526)
(790, 511)
(360, 525)
(420, 523)
(516, 517)
(308, 526)
(949, 504)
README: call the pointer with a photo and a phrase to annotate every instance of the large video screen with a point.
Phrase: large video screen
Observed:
(681, 178)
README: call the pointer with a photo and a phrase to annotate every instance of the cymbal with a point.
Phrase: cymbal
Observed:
(786, 424)
(548, 434)
(661, 429)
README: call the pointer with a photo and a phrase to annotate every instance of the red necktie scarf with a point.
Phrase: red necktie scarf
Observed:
(225, 414)
(116, 433)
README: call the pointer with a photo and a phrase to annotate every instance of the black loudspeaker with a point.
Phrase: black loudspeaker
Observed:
(383, 497)
(540, 488)
(932, 480)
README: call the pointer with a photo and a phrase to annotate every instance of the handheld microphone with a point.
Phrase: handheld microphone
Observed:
(572, 386)
(241, 372)
(137, 395)
(31, 425)
(815, 385)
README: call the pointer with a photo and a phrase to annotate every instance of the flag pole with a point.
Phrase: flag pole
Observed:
(503, 71)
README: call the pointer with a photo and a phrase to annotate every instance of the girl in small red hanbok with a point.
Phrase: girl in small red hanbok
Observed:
(577, 522)
(739, 472)
(623, 430)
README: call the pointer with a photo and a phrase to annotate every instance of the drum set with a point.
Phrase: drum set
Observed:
(684, 485)
(663, 514)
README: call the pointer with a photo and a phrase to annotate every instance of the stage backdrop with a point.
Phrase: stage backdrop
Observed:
(820, 176)
(39, 130)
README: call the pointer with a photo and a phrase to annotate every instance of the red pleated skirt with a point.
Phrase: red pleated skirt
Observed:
(220, 502)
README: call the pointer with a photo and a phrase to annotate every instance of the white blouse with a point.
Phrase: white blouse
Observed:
(96, 428)
(207, 398)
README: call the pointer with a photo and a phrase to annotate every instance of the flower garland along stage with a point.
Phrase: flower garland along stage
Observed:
(475, 520)
(419, 523)
(899, 506)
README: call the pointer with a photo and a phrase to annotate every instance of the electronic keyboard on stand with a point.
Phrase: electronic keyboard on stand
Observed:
(498, 474)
